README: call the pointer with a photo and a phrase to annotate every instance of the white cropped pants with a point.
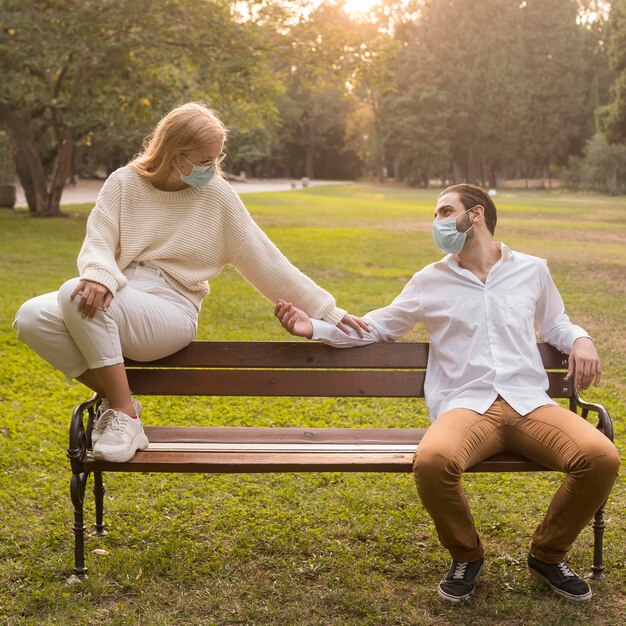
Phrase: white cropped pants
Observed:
(147, 319)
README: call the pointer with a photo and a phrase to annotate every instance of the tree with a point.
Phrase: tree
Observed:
(469, 58)
(612, 118)
(100, 72)
(373, 82)
(553, 90)
(603, 167)
(315, 62)
(417, 116)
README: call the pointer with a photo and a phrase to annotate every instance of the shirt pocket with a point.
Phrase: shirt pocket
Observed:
(520, 312)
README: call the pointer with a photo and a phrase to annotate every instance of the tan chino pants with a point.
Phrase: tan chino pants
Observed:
(549, 435)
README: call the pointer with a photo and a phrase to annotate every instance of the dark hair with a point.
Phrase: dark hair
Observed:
(471, 195)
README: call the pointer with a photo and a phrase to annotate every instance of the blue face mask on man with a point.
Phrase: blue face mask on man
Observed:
(200, 175)
(446, 235)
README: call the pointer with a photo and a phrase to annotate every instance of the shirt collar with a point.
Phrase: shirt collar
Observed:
(451, 260)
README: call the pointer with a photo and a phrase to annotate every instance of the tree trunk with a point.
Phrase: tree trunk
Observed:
(61, 172)
(309, 153)
(397, 175)
(28, 165)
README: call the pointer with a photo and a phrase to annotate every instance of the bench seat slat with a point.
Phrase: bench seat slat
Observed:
(262, 462)
(256, 434)
(296, 383)
(326, 448)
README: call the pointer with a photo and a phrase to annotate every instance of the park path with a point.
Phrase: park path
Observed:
(87, 190)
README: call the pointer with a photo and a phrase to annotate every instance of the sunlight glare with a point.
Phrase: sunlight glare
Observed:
(359, 7)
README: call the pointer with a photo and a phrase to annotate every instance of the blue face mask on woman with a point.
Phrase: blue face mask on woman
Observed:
(446, 235)
(200, 175)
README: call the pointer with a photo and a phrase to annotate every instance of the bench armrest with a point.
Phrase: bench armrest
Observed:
(605, 423)
(80, 438)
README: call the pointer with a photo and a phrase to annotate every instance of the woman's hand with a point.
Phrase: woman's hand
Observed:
(294, 320)
(354, 322)
(94, 297)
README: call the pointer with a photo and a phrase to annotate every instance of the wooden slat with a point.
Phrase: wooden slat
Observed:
(226, 463)
(256, 434)
(552, 358)
(558, 386)
(314, 448)
(365, 383)
(303, 383)
(396, 458)
(296, 354)
(292, 354)
(506, 462)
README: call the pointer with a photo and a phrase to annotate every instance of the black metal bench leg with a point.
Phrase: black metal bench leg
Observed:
(77, 491)
(597, 569)
(98, 492)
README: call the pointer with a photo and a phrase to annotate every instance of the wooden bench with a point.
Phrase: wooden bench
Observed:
(288, 369)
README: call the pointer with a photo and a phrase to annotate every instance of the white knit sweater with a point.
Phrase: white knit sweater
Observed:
(189, 235)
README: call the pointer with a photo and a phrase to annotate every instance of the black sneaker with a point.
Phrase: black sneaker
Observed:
(460, 582)
(563, 580)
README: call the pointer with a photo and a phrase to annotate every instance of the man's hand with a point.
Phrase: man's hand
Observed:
(94, 296)
(584, 363)
(294, 320)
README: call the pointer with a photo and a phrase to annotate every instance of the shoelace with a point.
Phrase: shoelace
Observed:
(566, 570)
(118, 422)
(113, 421)
(459, 570)
(104, 420)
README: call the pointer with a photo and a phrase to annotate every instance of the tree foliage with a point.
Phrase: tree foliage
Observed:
(447, 89)
(97, 71)
(612, 117)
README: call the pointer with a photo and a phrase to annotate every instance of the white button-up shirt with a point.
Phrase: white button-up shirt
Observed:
(483, 339)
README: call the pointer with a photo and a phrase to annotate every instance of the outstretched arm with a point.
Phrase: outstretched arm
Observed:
(386, 324)
(294, 320)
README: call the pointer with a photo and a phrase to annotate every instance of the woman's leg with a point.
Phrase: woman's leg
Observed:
(39, 324)
(146, 320)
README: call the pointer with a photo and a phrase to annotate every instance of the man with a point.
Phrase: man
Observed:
(485, 387)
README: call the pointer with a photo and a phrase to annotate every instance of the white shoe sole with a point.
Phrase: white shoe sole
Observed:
(448, 598)
(444, 596)
(560, 592)
(140, 442)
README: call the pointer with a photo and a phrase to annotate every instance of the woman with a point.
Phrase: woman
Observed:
(162, 227)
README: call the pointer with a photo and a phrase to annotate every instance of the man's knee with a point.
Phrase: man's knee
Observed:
(597, 457)
(604, 458)
(430, 466)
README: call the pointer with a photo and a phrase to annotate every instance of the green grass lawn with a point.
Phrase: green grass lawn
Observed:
(319, 549)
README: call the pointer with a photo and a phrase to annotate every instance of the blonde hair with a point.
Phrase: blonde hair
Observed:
(184, 129)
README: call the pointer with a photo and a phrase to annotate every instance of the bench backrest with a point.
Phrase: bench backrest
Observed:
(288, 368)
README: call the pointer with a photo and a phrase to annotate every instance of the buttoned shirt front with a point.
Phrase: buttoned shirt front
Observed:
(483, 336)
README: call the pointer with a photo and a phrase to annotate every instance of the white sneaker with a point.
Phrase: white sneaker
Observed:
(100, 425)
(122, 437)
